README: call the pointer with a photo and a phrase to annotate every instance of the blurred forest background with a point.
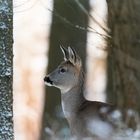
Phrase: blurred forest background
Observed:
(105, 33)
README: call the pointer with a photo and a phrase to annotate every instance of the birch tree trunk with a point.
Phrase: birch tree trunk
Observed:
(6, 70)
(124, 55)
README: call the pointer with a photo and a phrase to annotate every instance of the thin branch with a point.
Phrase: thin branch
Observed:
(65, 20)
(22, 3)
(26, 9)
(89, 15)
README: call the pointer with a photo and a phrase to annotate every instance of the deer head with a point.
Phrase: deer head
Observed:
(66, 75)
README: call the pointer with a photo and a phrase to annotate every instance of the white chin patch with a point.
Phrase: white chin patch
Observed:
(48, 84)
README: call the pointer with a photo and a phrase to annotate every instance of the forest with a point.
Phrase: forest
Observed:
(36, 36)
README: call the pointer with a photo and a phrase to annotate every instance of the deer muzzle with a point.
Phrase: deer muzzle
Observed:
(48, 81)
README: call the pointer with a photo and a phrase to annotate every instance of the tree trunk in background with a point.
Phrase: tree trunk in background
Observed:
(67, 15)
(96, 53)
(124, 54)
(6, 70)
(31, 37)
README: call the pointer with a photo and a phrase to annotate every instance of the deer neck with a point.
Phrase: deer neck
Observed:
(72, 99)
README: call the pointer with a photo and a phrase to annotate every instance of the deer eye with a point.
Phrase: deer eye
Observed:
(62, 70)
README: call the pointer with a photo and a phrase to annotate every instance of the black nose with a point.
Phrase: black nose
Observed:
(45, 79)
(48, 80)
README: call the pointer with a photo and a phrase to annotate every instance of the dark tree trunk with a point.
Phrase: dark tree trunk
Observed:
(6, 70)
(66, 16)
(124, 54)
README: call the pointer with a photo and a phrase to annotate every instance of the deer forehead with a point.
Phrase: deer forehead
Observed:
(70, 66)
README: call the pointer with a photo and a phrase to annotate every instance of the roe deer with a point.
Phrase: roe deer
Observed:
(87, 119)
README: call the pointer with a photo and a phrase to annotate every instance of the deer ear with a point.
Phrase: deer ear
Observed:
(74, 58)
(65, 53)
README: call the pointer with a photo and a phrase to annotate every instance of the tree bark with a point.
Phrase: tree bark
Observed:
(6, 70)
(124, 59)
(66, 16)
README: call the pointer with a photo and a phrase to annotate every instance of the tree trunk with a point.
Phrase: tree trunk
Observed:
(6, 70)
(66, 16)
(124, 58)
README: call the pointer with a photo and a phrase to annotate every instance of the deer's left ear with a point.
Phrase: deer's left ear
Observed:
(65, 53)
(74, 58)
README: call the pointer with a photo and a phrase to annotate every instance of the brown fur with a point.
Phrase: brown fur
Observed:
(82, 115)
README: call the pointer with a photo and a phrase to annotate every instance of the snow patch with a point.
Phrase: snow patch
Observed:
(100, 128)
(116, 115)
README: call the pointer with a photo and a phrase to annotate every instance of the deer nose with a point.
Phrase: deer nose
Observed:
(45, 79)
(48, 80)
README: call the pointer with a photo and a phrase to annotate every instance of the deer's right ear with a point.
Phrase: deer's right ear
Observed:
(65, 53)
(74, 58)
